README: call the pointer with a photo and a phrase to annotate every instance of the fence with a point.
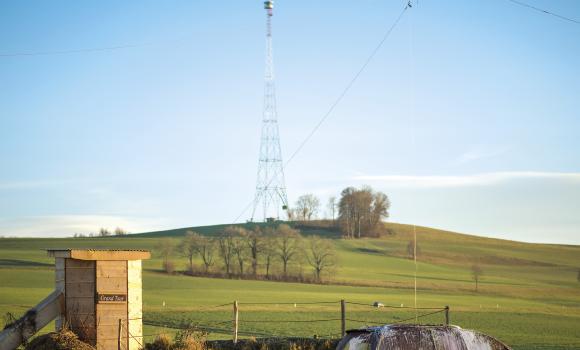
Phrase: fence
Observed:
(332, 319)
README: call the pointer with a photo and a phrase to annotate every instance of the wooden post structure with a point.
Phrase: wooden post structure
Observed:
(447, 315)
(120, 335)
(342, 318)
(102, 295)
(235, 322)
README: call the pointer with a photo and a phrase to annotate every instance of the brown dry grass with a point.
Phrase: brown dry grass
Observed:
(63, 340)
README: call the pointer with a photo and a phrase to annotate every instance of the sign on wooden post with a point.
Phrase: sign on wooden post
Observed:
(111, 298)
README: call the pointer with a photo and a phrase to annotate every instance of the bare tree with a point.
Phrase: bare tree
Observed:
(239, 248)
(189, 246)
(476, 273)
(307, 206)
(226, 246)
(120, 232)
(320, 255)
(165, 248)
(287, 245)
(103, 232)
(194, 243)
(255, 242)
(269, 249)
(331, 206)
(291, 214)
(206, 249)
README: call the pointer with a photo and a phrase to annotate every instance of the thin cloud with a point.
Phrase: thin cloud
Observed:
(484, 179)
(480, 153)
(23, 185)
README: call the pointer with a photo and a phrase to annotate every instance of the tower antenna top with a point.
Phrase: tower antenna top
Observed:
(269, 5)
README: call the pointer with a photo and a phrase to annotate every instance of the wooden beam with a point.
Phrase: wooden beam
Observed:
(34, 320)
(100, 254)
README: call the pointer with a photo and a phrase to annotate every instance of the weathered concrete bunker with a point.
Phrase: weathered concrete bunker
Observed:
(97, 295)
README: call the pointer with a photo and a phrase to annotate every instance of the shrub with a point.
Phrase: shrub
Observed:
(188, 339)
(161, 342)
(169, 267)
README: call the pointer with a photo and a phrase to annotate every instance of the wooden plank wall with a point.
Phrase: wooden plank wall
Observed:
(80, 298)
(135, 305)
(111, 317)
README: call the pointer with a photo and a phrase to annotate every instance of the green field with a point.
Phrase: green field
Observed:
(529, 296)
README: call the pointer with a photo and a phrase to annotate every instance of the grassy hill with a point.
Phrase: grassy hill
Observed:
(529, 296)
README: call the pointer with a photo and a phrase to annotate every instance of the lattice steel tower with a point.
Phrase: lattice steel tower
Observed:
(270, 187)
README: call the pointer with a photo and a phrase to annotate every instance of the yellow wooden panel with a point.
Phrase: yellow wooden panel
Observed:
(111, 271)
(108, 337)
(102, 255)
(116, 267)
(112, 285)
(109, 312)
(112, 263)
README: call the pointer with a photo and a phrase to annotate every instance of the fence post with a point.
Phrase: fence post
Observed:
(342, 318)
(447, 315)
(119, 335)
(235, 322)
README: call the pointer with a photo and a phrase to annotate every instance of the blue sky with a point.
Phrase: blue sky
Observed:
(467, 117)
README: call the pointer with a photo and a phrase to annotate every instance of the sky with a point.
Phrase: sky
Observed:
(146, 115)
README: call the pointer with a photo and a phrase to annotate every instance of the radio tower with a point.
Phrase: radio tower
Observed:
(270, 187)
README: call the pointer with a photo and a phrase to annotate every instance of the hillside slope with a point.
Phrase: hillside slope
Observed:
(437, 246)
(529, 295)
(512, 269)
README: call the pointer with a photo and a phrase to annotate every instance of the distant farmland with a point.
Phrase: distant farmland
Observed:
(529, 296)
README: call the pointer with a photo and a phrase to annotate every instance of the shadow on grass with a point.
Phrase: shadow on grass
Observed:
(22, 263)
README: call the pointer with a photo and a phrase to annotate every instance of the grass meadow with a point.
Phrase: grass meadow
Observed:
(529, 296)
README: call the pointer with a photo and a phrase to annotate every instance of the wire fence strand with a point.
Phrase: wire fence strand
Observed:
(393, 306)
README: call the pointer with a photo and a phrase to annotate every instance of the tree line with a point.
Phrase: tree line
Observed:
(272, 252)
(103, 232)
(358, 213)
